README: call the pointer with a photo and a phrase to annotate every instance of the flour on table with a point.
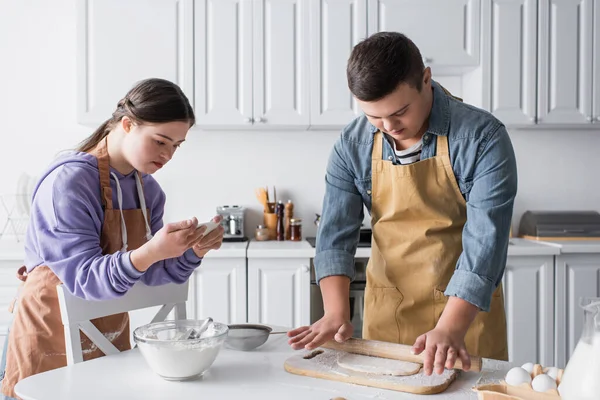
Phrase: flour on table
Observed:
(378, 366)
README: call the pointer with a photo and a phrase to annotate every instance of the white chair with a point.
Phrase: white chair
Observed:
(76, 313)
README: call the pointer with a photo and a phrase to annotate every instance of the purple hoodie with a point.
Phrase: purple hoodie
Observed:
(65, 225)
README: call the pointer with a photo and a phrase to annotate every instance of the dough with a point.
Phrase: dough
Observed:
(376, 365)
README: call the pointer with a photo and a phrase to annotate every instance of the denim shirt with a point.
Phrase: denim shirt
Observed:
(484, 165)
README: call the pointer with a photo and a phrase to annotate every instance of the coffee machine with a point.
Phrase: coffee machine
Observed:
(233, 223)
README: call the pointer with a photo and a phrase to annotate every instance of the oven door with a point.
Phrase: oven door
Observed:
(357, 293)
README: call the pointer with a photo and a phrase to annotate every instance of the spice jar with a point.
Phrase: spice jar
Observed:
(261, 233)
(295, 229)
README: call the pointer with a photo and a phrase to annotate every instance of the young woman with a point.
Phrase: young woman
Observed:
(96, 227)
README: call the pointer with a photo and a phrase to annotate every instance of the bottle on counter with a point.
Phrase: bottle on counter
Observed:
(295, 229)
(289, 214)
(279, 209)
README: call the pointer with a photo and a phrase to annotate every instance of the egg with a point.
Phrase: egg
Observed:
(516, 376)
(543, 383)
(528, 367)
(552, 372)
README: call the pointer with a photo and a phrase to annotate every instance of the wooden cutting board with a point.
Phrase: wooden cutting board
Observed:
(322, 363)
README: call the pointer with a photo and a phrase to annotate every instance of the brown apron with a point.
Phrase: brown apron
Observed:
(36, 342)
(418, 214)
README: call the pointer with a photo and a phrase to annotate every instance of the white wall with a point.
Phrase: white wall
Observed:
(558, 170)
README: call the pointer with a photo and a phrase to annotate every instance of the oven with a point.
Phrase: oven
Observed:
(357, 294)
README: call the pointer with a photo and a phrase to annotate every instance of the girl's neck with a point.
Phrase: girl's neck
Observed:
(115, 155)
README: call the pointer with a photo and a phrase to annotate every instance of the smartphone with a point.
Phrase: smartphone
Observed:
(210, 225)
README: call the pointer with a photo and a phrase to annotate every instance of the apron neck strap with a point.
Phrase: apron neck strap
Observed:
(101, 154)
(377, 146)
(442, 145)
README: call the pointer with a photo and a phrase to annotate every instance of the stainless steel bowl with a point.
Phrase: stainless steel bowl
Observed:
(247, 337)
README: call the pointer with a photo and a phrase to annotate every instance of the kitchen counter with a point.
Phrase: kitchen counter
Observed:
(288, 249)
(574, 246)
(13, 250)
(250, 375)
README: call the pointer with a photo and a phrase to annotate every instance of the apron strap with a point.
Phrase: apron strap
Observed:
(377, 146)
(101, 154)
(22, 273)
(442, 145)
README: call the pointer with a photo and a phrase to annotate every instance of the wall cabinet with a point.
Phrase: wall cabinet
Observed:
(540, 65)
(122, 42)
(447, 32)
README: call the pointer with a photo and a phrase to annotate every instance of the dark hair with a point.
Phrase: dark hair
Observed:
(380, 63)
(151, 101)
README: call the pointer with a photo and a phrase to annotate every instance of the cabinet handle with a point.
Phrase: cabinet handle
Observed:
(597, 119)
(427, 60)
(305, 268)
(259, 119)
(248, 120)
(589, 119)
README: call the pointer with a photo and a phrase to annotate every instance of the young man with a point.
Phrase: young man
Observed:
(439, 179)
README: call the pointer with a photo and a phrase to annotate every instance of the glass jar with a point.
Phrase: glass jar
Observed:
(262, 233)
(295, 229)
(580, 379)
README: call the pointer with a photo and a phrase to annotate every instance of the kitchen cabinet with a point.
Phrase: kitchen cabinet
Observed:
(218, 290)
(447, 32)
(565, 61)
(152, 38)
(336, 26)
(529, 302)
(540, 70)
(511, 61)
(251, 63)
(577, 275)
(279, 283)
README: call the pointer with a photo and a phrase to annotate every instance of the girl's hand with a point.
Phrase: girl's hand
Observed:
(212, 241)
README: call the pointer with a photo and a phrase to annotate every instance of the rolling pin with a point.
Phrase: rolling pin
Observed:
(393, 351)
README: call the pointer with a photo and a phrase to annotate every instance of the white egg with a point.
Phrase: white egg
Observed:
(528, 367)
(542, 383)
(517, 376)
(552, 372)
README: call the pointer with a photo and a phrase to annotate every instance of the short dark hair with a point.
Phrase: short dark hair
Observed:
(380, 63)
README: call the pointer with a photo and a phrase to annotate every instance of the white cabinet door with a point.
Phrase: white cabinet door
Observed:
(596, 65)
(511, 60)
(281, 63)
(279, 291)
(447, 32)
(336, 27)
(577, 275)
(223, 62)
(529, 302)
(218, 290)
(122, 42)
(565, 61)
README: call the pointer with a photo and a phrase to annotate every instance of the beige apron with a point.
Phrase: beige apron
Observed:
(36, 340)
(418, 214)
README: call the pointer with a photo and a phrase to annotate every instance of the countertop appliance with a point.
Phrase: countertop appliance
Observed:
(233, 223)
(560, 225)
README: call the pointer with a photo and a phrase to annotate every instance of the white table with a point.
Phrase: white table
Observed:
(258, 374)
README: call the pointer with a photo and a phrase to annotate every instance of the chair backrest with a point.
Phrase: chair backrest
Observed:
(76, 313)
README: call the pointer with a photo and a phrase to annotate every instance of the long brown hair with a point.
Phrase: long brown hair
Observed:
(149, 101)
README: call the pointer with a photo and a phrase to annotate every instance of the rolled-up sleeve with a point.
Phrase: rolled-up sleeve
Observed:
(342, 215)
(489, 213)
